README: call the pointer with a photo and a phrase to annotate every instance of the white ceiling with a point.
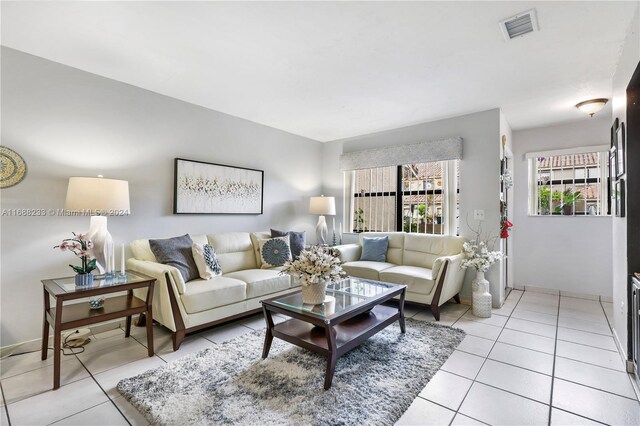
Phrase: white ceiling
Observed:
(331, 70)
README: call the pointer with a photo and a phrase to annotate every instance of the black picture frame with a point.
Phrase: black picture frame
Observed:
(614, 128)
(612, 182)
(620, 150)
(620, 198)
(200, 187)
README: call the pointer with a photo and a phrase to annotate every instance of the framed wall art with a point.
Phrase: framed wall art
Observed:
(620, 149)
(209, 188)
(619, 197)
(612, 182)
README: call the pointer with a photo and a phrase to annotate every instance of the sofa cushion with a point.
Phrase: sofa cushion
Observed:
(142, 251)
(297, 240)
(201, 295)
(206, 260)
(262, 281)
(375, 249)
(396, 244)
(423, 250)
(417, 279)
(234, 250)
(176, 252)
(255, 236)
(366, 269)
(274, 252)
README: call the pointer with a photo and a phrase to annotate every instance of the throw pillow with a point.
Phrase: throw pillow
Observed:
(297, 240)
(274, 251)
(206, 261)
(375, 249)
(177, 253)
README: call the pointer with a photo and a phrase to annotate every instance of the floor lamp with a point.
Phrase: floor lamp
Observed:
(322, 206)
(100, 198)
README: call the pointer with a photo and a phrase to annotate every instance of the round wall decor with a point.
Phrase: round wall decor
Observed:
(12, 167)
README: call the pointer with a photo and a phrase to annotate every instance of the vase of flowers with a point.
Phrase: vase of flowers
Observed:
(81, 247)
(316, 267)
(479, 257)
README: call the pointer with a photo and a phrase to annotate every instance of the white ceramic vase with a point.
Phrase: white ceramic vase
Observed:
(481, 303)
(313, 294)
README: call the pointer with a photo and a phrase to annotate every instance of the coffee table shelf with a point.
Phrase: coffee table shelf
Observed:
(355, 329)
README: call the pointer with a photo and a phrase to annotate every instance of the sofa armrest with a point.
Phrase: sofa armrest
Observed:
(162, 311)
(348, 252)
(453, 275)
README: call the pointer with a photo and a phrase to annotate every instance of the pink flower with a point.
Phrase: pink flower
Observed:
(89, 245)
(63, 246)
(80, 236)
(81, 253)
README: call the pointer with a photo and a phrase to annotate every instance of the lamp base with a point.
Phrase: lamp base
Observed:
(321, 230)
(102, 242)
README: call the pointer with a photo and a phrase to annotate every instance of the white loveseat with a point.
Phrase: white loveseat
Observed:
(197, 304)
(428, 264)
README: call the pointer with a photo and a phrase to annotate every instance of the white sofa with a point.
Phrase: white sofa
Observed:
(428, 264)
(197, 304)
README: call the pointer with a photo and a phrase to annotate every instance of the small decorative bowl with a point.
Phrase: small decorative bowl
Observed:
(96, 303)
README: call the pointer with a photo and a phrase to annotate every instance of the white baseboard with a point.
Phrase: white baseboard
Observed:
(36, 344)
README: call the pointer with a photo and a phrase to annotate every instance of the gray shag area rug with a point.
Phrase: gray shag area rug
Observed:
(230, 384)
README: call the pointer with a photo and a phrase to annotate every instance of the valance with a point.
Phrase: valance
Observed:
(423, 152)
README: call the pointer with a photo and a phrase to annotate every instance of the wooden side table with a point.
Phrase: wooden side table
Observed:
(72, 316)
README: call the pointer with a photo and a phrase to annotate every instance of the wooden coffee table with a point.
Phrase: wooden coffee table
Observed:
(352, 312)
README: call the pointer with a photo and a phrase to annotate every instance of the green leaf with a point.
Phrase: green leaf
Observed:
(91, 265)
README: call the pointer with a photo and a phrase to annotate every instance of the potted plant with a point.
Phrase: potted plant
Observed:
(316, 267)
(568, 198)
(81, 247)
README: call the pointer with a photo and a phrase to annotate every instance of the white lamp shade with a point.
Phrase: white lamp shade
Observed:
(322, 205)
(98, 196)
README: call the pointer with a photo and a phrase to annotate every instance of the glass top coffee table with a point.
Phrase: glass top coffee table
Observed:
(351, 313)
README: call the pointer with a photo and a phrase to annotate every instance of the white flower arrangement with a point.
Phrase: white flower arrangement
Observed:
(478, 256)
(314, 265)
(477, 253)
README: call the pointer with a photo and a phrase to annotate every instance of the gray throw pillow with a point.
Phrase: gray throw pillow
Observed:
(297, 240)
(176, 252)
(375, 249)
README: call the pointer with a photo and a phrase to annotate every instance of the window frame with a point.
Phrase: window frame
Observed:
(449, 178)
(533, 186)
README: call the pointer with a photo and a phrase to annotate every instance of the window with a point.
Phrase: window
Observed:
(568, 183)
(411, 198)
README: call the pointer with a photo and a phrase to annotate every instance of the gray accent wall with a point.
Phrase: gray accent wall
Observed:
(66, 122)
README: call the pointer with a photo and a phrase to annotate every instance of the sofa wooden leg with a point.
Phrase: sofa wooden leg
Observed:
(435, 310)
(178, 337)
(457, 298)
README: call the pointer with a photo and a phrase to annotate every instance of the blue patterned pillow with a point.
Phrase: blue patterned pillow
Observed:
(206, 261)
(274, 251)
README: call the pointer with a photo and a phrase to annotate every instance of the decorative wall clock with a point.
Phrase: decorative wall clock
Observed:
(12, 167)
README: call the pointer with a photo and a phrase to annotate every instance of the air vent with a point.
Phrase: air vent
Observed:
(519, 25)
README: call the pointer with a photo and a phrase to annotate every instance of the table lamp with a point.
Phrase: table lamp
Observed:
(100, 198)
(322, 206)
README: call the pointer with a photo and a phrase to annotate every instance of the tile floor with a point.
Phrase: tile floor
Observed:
(540, 359)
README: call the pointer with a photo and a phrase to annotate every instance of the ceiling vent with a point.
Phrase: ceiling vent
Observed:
(519, 25)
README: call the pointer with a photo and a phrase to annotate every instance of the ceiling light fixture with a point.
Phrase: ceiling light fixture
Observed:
(592, 106)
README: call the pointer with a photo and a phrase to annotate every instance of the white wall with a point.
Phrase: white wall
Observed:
(626, 66)
(66, 122)
(564, 253)
(479, 168)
